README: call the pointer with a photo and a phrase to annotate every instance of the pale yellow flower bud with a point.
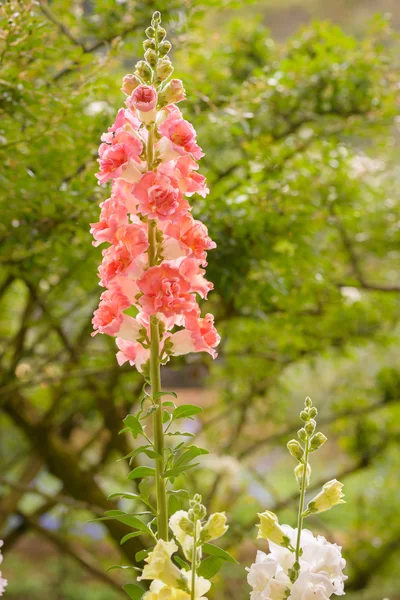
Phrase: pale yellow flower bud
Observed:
(330, 495)
(299, 474)
(269, 529)
(214, 528)
(295, 449)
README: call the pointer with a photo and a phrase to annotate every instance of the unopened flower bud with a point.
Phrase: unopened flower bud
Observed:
(172, 93)
(160, 34)
(299, 474)
(143, 70)
(307, 402)
(149, 44)
(310, 426)
(164, 68)
(330, 495)
(317, 441)
(214, 528)
(313, 412)
(304, 416)
(129, 83)
(295, 449)
(150, 32)
(269, 529)
(156, 18)
(302, 434)
(151, 57)
(164, 48)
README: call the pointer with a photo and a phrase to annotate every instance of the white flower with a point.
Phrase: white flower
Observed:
(160, 566)
(201, 586)
(3, 584)
(311, 586)
(267, 578)
(324, 557)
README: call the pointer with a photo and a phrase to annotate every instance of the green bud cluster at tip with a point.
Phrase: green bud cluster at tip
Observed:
(156, 66)
(307, 434)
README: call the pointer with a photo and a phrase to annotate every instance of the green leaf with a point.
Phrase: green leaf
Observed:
(174, 504)
(122, 567)
(135, 452)
(141, 555)
(169, 403)
(144, 490)
(181, 563)
(135, 592)
(216, 551)
(129, 536)
(161, 394)
(140, 472)
(134, 425)
(127, 495)
(186, 411)
(152, 409)
(184, 433)
(189, 455)
(179, 493)
(210, 566)
(176, 471)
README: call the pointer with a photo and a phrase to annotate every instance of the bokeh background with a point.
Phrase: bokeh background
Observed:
(296, 105)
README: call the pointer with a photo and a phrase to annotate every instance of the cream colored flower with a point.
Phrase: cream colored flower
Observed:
(160, 566)
(269, 529)
(214, 528)
(330, 495)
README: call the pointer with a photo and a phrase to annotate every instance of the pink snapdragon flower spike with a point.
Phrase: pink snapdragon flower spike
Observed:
(154, 264)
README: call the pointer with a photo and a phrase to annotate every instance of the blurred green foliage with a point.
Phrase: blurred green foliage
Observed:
(300, 140)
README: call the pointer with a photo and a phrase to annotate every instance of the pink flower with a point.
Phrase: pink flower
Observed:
(134, 353)
(159, 197)
(200, 335)
(131, 241)
(193, 237)
(181, 137)
(119, 161)
(166, 291)
(109, 316)
(125, 119)
(205, 336)
(182, 169)
(194, 275)
(144, 100)
(113, 214)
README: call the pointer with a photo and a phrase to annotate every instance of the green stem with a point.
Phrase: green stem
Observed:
(155, 376)
(300, 516)
(194, 563)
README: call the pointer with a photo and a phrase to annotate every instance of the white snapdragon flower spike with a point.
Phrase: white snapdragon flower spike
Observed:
(321, 569)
